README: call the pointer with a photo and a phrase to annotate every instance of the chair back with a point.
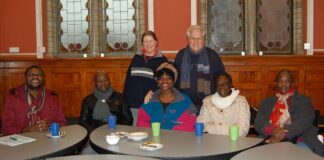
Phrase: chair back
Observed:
(316, 117)
(253, 114)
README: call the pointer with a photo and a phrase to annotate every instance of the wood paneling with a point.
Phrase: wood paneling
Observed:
(255, 76)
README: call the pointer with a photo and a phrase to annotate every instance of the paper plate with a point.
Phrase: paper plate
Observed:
(62, 133)
(137, 136)
(148, 146)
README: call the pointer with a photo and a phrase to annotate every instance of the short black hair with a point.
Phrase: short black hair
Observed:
(34, 66)
(229, 78)
(285, 71)
(158, 74)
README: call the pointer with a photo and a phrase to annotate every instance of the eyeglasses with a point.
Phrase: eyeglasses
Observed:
(102, 81)
(34, 75)
(199, 39)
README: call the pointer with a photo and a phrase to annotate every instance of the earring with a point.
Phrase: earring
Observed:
(156, 51)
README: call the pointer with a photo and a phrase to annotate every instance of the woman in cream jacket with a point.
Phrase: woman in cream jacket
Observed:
(225, 108)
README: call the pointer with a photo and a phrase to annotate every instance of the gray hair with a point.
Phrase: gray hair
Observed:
(195, 27)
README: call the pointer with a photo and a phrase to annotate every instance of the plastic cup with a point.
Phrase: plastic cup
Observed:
(156, 129)
(234, 132)
(111, 122)
(199, 129)
(55, 129)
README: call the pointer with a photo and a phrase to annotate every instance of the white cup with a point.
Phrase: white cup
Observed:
(243, 53)
(112, 139)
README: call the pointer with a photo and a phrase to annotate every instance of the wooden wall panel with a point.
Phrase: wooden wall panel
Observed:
(254, 76)
(67, 83)
(317, 98)
(253, 96)
(248, 80)
(314, 84)
(66, 79)
(14, 77)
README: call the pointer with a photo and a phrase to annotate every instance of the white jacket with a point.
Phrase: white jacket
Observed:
(218, 121)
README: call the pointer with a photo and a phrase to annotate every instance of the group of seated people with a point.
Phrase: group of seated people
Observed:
(181, 94)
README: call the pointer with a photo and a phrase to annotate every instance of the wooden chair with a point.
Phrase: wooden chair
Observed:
(252, 131)
(316, 118)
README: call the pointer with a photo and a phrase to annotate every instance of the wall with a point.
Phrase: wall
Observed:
(318, 25)
(18, 28)
(171, 20)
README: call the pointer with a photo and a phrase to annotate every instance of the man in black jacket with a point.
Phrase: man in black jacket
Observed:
(104, 101)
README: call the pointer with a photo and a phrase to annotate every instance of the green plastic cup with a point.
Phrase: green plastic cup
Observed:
(234, 132)
(156, 129)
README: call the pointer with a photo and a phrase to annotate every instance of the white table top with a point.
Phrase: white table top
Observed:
(277, 151)
(45, 146)
(176, 144)
(101, 157)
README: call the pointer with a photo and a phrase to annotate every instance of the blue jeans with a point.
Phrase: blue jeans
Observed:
(135, 115)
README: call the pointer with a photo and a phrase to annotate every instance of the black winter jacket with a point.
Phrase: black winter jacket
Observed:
(117, 106)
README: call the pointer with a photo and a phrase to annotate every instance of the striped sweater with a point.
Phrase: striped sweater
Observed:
(139, 79)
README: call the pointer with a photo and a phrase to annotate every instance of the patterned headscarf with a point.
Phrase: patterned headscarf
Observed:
(35, 105)
(169, 66)
(280, 113)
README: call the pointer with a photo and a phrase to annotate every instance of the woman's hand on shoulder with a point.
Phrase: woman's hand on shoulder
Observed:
(148, 97)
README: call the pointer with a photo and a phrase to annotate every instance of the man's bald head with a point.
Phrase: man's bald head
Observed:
(102, 81)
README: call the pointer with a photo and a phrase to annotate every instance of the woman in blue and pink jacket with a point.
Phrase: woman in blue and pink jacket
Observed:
(173, 109)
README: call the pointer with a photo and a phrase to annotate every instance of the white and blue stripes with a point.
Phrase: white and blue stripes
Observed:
(142, 72)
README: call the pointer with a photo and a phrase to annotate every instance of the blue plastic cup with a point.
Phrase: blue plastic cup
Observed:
(199, 129)
(55, 129)
(111, 122)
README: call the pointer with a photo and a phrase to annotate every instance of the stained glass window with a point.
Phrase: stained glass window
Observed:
(226, 26)
(74, 25)
(120, 24)
(274, 22)
(93, 27)
(270, 26)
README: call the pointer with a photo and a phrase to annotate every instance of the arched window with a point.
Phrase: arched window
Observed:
(77, 27)
(74, 34)
(226, 26)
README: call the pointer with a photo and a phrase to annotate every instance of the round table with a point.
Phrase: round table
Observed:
(176, 144)
(283, 150)
(101, 157)
(44, 146)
